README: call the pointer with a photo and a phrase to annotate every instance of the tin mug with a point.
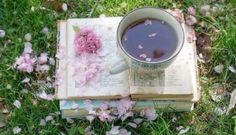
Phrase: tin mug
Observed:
(140, 65)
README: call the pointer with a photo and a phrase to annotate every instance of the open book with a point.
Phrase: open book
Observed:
(177, 82)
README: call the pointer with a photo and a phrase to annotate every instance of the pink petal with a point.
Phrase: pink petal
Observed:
(191, 11)
(28, 47)
(26, 80)
(149, 113)
(132, 124)
(43, 58)
(190, 20)
(148, 22)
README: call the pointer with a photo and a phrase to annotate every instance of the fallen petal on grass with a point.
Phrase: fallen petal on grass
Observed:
(64, 7)
(42, 122)
(28, 37)
(232, 69)
(17, 104)
(2, 124)
(46, 96)
(205, 10)
(69, 120)
(2, 33)
(134, 125)
(219, 68)
(16, 130)
(184, 130)
(191, 11)
(232, 101)
(190, 20)
(26, 80)
(49, 118)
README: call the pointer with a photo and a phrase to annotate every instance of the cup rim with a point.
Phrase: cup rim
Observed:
(153, 62)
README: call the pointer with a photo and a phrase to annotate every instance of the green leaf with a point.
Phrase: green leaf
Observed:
(72, 131)
(76, 28)
(81, 130)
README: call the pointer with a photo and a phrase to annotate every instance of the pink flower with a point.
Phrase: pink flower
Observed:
(104, 106)
(190, 20)
(149, 113)
(191, 11)
(124, 106)
(43, 58)
(105, 116)
(86, 41)
(86, 67)
(25, 63)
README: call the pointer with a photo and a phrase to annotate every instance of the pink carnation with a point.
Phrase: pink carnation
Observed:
(191, 11)
(191, 20)
(25, 63)
(86, 41)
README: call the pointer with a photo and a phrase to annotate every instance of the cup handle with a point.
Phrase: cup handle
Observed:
(119, 67)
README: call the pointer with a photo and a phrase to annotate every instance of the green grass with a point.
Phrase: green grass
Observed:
(17, 19)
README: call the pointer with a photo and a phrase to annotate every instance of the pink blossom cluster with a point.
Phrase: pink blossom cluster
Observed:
(86, 67)
(120, 109)
(124, 108)
(26, 62)
(42, 63)
(86, 62)
(189, 19)
(86, 41)
(123, 111)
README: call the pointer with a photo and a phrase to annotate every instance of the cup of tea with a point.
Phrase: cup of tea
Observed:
(149, 39)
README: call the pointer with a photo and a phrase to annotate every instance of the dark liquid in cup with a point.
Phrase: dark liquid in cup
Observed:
(150, 40)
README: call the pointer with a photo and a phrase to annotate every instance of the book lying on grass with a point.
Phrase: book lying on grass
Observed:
(177, 82)
(69, 111)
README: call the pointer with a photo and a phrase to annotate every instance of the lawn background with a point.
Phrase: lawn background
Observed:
(17, 19)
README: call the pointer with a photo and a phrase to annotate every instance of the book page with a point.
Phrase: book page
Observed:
(177, 79)
(103, 85)
(61, 63)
